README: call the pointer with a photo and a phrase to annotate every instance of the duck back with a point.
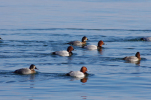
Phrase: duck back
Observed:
(91, 47)
(76, 74)
(131, 58)
(76, 43)
(23, 71)
(62, 53)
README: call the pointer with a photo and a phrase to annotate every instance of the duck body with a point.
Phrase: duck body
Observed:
(29, 70)
(146, 39)
(94, 47)
(79, 43)
(80, 74)
(76, 43)
(91, 47)
(24, 71)
(64, 52)
(133, 58)
(76, 74)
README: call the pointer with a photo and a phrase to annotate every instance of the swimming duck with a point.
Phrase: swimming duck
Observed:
(78, 43)
(146, 39)
(81, 73)
(64, 53)
(133, 58)
(29, 70)
(94, 47)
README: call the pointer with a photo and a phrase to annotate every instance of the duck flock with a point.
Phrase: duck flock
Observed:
(83, 71)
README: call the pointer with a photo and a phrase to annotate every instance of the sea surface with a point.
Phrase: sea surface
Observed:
(32, 29)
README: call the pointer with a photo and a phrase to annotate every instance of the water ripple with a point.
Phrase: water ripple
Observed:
(52, 29)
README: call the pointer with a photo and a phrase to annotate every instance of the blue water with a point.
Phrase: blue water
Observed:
(31, 30)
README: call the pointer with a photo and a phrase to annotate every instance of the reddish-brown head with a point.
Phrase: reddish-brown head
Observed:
(100, 43)
(70, 48)
(83, 69)
(138, 55)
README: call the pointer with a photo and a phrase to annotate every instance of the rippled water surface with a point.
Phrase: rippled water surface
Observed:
(31, 30)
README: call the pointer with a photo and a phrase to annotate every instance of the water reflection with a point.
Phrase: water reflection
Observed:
(100, 51)
(32, 77)
(134, 62)
(83, 80)
(32, 86)
(84, 97)
(1, 41)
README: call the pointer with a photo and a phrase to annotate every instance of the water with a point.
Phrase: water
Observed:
(31, 30)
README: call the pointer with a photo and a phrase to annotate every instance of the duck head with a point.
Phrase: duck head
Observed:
(100, 43)
(70, 48)
(84, 69)
(32, 67)
(84, 39)
(138, 55)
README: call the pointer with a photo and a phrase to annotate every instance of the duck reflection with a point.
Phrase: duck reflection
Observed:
(134, 62)
(84, 97)
(83, 80)
(32, 77)
(79, 75)
(100, 51)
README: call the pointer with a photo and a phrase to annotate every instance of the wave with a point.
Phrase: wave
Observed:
(50, 29)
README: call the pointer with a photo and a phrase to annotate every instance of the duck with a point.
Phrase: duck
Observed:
(80, 74)
(78, 43)
(133, 58)
(146, 39)
(29, 70)
(94, 47)
(64, 52)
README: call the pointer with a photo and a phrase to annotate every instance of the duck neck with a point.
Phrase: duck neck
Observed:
(33, 71)
(139, 57)
(83, 42)
(82, 72)
(69, 50)
(99, 46)
(70, 53)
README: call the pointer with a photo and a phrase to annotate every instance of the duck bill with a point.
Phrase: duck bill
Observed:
(36, 68)
(104, 44)
(88, 71)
